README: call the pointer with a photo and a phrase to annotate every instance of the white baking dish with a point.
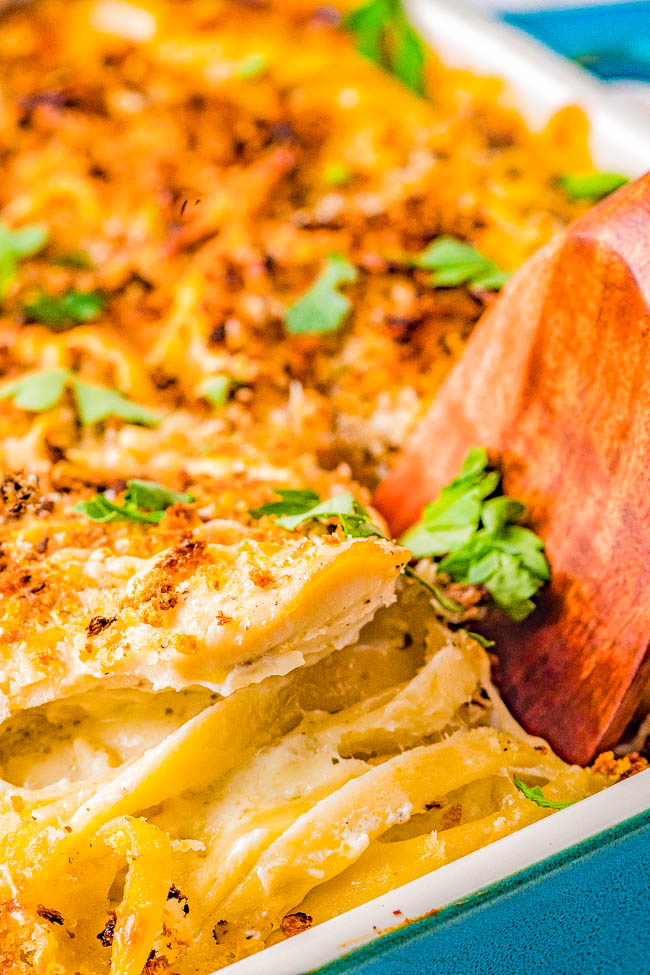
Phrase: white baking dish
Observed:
(539, 80)
(539, 83)
(563, 830)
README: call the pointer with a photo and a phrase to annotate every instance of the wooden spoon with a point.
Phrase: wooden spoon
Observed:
(555, 381)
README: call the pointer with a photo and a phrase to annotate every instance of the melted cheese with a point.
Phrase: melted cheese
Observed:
(214, 731)
(200, 614)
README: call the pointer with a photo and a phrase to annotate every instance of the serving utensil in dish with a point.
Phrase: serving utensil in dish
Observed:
(554, 378)
(336, 832)
(565, 893)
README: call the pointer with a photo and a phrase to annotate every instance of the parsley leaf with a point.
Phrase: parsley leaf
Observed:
(336, 174)
(96, 403)
(384, 35)
(77, 260)
(480, 539)
(294, 502)
(322, 308)
(100, 508)
(408, 57)
(144, 501)
(296, 507)
(535, 794)
(452, 520)
(450, 605)
(22, 243)
(60, 312)
(38, 391)
(591, 186)
(252, 66)
(153, 496)
(480, 639)
(16, 245)
(454, 263)
(218, 390)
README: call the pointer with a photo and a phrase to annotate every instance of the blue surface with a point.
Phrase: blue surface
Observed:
(581, 912)
(612, 40)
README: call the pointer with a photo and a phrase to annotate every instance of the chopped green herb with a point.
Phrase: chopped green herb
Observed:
(452, 520)
(23, 243)
(454, 263)
(408, 57)
(450, 605)
(62, 311)
(591, 186)
(96, 403)
(100, 508)
(484, 642)
(384, 34)
(322, 309)
(354, 518)
(336, 174)
(77, 260)
(297, 507)
(480, 539)
(535, 794)
(144, 501)
(38, 391)
(219, 389)
(252, 66)
(16, 245)
(153, 496)
(293, 502)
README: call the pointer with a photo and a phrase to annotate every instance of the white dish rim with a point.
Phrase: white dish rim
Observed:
(539, 83)
(561, 831)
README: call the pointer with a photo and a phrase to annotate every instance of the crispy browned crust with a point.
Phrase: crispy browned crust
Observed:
(215, 214)
(618, 769)
(201, 201)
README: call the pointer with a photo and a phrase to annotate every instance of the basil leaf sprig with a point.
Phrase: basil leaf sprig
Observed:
(40, 391)
(59, 312)
(535, 794)
(479, 541)
(15, 246)
(144, 501)
(384, 34)
(322, 308)
(454, 263)
(591, 186)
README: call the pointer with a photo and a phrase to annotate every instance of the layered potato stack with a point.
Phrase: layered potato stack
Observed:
(217, 732)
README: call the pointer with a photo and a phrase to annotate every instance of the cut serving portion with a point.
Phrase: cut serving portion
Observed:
(286, 802)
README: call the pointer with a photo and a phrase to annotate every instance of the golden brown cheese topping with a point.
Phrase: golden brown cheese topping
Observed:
(216, 731)
(200, 613)
(198, 199)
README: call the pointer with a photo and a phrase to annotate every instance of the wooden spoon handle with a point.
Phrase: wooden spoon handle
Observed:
(556, 380)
